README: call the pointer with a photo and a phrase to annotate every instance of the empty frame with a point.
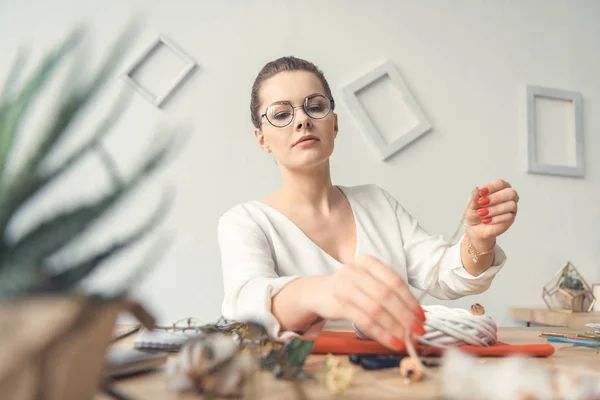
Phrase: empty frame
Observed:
(159, 70)
(554, 132)
(385, 110)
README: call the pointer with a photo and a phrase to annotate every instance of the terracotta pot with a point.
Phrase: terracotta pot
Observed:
(54, 347)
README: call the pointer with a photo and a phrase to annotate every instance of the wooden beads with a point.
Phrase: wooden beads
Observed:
(477, 309)
(411, 369)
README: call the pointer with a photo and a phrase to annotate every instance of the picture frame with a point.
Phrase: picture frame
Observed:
(159, 99)
(576, 99)
(385, 149)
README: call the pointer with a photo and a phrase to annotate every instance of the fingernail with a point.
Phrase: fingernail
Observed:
(486, 220)
(483, 212)
(483, 201)
(420, 313)
(417, 328)
(483, 191)
(397, 343)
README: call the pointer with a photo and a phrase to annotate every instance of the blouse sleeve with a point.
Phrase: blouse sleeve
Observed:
(423, 251)
(249, 276)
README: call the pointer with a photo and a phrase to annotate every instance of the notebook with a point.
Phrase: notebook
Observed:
(122, 361)
(160, 340)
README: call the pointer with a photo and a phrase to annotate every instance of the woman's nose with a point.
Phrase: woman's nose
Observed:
(302, 120)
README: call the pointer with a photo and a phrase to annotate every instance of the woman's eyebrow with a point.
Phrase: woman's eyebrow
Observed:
(289, 101)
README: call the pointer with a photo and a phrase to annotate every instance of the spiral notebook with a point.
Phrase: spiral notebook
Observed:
(159, 340)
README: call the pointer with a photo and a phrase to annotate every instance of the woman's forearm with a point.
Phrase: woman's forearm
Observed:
(295, 306)
(483, 261)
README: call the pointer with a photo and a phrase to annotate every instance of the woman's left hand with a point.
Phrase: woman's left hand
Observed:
(492, 210)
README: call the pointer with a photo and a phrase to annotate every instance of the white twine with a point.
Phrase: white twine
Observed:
(447, 327)
(409, 347)
(452, 327)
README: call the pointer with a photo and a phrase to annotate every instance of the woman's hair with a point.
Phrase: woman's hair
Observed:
(273, 68)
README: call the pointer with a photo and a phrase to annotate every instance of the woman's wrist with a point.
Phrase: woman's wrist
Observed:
(480, 244)
(483, 245)
(479, 248)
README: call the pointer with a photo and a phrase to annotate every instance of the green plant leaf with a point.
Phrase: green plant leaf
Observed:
(75, 103)
(30, 184)
(17, 279)
(297, 350)
(72, 275)
(13, 76)
(12, 112)
(56, 232)
(22, 260)
(25, 182)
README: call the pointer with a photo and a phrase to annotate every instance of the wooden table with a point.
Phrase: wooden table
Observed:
(545, 316)
(381, 384)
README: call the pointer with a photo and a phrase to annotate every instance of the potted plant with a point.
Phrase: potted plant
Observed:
(53, 334)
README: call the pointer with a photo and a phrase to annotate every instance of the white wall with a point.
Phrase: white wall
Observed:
(466, 63)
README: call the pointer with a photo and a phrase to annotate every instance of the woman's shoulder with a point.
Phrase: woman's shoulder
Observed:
(367, 192)
(253, 215)
(241, 211)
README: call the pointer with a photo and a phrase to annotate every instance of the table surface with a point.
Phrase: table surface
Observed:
(545, 316)
(380, 384)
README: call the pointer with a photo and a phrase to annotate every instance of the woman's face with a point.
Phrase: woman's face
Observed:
(289, 144)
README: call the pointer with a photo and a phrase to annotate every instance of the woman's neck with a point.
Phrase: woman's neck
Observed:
(309, 189)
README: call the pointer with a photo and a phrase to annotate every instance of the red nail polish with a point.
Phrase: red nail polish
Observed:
(483, 191)
(483, 201)
(483, 212)
(420, 313)
(417, 328)
(397, 343)
(486, 220)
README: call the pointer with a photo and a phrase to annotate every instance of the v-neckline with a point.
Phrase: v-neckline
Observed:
(354, 216)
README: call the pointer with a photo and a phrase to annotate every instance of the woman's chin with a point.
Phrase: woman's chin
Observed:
(308, 161)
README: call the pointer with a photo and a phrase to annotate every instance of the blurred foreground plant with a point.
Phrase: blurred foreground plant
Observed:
(24, 265)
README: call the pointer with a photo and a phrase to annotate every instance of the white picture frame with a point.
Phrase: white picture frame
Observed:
(385, 149)
(576, 99)
(158, 100)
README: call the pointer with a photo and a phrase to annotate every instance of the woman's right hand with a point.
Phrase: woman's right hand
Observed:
(373, 297)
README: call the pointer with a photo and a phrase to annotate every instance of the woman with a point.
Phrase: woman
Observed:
(313, 251)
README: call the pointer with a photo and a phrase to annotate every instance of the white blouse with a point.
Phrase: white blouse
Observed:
(262, 251)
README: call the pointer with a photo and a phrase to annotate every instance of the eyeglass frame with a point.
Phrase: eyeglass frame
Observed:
(331, 108)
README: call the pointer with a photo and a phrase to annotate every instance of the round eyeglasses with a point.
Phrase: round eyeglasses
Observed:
(281, 113)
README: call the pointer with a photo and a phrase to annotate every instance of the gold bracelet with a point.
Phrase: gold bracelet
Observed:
(474, 253)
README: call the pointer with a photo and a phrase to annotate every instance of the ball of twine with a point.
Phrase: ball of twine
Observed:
(453, 327)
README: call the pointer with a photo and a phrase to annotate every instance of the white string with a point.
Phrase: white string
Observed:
(453, 327)
(446, 327)
(436, 271)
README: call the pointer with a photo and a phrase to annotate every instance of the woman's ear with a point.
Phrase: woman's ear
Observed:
(335, 127)
(261, 140)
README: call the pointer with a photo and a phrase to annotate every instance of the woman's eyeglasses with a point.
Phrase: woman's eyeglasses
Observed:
(281, 113)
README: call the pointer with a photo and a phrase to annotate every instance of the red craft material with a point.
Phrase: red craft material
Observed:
(335, 342)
